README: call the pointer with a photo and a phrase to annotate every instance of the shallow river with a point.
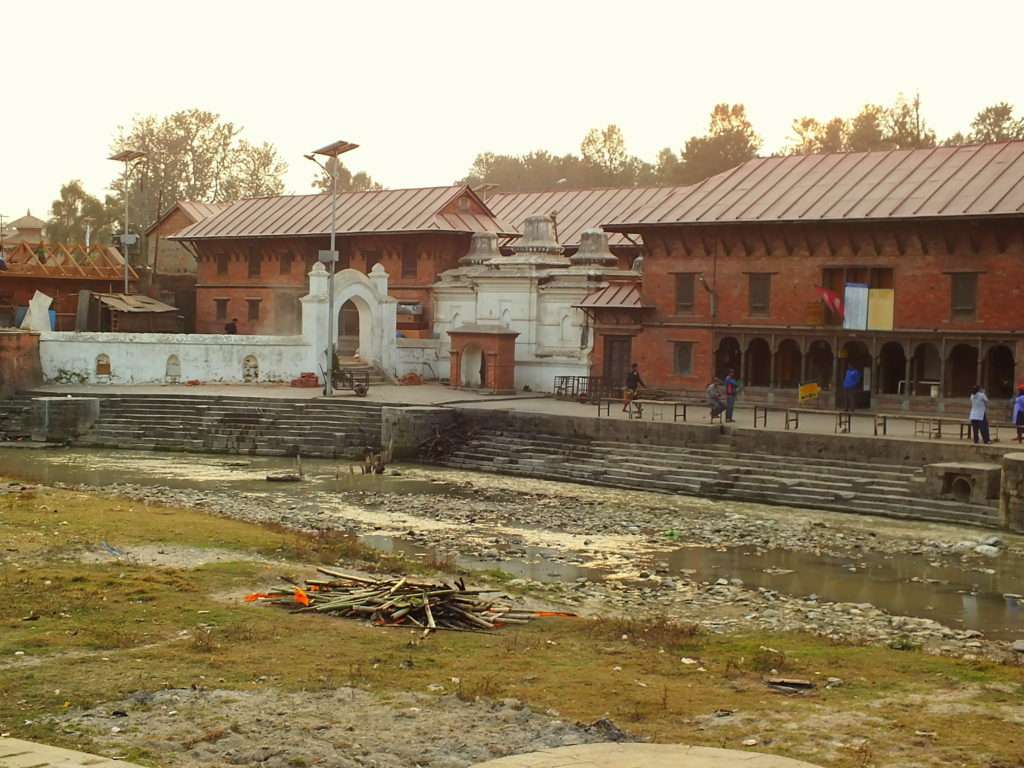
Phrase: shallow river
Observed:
(984, 598)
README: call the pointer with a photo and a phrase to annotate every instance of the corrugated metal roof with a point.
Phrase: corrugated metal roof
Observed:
(385, 211)
(193, 209)
(52, 260)
(943, 182)
(613, 297)
(120, 302)
(579, 209)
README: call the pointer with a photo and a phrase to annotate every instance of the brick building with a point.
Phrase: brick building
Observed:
(170, 268)
(61, 272)
(925, 247)
(254, 256)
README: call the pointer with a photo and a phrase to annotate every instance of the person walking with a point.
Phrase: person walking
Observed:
(979, 414)
(1018, 412)
(851, 386)
(633, 383)
(714, 393)
(732, 386)
(231, 328)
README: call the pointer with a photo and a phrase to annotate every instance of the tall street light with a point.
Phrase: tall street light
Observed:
(331, 152)
(126, 156)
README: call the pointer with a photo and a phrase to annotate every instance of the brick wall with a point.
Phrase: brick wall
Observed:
(434, 253)
(19, 361)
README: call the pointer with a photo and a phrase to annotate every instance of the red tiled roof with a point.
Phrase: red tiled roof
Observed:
(943, 182)
(579, 209)
(613, 297)
(52, 260)
(384, 211)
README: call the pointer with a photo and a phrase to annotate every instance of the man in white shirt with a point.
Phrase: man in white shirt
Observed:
(979, 414)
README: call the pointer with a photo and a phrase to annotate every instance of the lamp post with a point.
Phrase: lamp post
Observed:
(330, 257)
(126, 156)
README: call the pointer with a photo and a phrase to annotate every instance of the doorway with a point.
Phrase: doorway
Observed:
(348, 329)
(618, 353)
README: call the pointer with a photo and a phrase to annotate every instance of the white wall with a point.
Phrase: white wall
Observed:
(141, 358)
(427, 358)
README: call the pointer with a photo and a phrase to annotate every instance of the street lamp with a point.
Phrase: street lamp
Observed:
(330, 257)
(126, 156)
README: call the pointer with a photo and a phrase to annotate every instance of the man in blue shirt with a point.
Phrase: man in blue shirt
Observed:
(731, 388)
(851, 386)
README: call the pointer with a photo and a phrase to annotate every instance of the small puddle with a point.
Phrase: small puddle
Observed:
(899, 584)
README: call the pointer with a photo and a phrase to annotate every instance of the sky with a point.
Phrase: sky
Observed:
(423, 87)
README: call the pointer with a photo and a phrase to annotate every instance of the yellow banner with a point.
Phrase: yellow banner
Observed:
(809, 392)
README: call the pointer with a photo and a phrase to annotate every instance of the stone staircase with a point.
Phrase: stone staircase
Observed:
(718, 470)
(259, 426)
(14, 417)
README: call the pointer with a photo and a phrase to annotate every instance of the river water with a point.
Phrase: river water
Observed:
(985, 598)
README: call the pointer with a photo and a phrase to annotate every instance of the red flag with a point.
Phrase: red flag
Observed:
(832, 301)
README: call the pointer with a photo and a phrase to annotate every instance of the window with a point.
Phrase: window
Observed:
(372, 257)
(684, 293)
(286, 263)
(964, 295)
(221, 306)
(254, 308)
(682, 358)
(222, 263)
(344, 254)
(254, 262)
(760, 293)
(409, 260)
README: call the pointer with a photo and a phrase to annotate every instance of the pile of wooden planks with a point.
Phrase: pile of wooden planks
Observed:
(400, 601)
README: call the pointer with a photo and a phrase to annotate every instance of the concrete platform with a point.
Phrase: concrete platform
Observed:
(15, 753)
(642, 756)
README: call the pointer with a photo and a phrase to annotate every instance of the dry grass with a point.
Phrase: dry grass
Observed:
(107, 630)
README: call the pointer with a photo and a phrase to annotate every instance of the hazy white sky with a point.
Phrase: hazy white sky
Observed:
(425, 86)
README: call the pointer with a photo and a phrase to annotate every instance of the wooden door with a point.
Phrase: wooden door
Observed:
(617, 354)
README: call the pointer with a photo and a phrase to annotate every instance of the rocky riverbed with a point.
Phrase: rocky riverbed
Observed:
(616, 540)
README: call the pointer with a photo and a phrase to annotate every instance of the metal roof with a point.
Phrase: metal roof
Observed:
(28, 221)
(943, 182)
(387, 211)
(579, 209)
(613, 297)
(120, 302)
(193, 209)
(73, 262)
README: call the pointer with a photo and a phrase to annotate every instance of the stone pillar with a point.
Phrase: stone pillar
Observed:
(314, 319)
(379, 278)
(908, 385)
(455, 368)
(1011, 493)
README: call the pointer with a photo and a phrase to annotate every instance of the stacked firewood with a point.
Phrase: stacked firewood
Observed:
(400, 602)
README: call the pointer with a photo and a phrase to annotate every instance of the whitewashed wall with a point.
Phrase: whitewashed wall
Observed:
(141, 358)
(427, 358)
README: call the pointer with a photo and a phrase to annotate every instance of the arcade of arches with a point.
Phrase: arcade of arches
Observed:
(907, 372)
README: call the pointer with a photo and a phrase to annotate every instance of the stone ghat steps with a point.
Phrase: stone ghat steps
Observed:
(324, 428)
(669, 456)
(14, 416)
(717, 472)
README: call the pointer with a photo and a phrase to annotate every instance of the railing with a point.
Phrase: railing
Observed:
(584, 388)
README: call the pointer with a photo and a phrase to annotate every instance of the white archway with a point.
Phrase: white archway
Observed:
(378, 318)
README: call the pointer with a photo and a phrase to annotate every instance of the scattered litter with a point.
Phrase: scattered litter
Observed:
(401, 602)
(750, 742)
(687, 660)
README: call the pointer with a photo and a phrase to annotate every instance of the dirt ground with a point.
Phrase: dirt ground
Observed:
(149, 652)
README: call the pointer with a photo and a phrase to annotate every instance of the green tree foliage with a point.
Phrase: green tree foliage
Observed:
(347, 181)
(193, 155)
(74, 211)
(996, 123)
(730, 141)
(875, 127)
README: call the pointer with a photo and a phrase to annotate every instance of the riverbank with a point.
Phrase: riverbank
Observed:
(149, 652)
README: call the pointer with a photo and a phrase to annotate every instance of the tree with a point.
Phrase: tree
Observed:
(606, 149)
(810, 136)
(193, 155)
(730, 141)
(906, 126)
(347, 181)
(996, 123)
(75, 211)
(866, 131)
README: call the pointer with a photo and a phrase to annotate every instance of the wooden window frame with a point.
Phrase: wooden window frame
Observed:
(250, 305)
(372, 256)
(254, 262)
(223, 261)
(286, 259)
(410, 258)
(683, 308)
(678, 346)
(758, 310)
(963, 312)
(218, 305)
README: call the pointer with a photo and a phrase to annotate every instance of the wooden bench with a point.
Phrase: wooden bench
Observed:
(656, 407)
(843, 420)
